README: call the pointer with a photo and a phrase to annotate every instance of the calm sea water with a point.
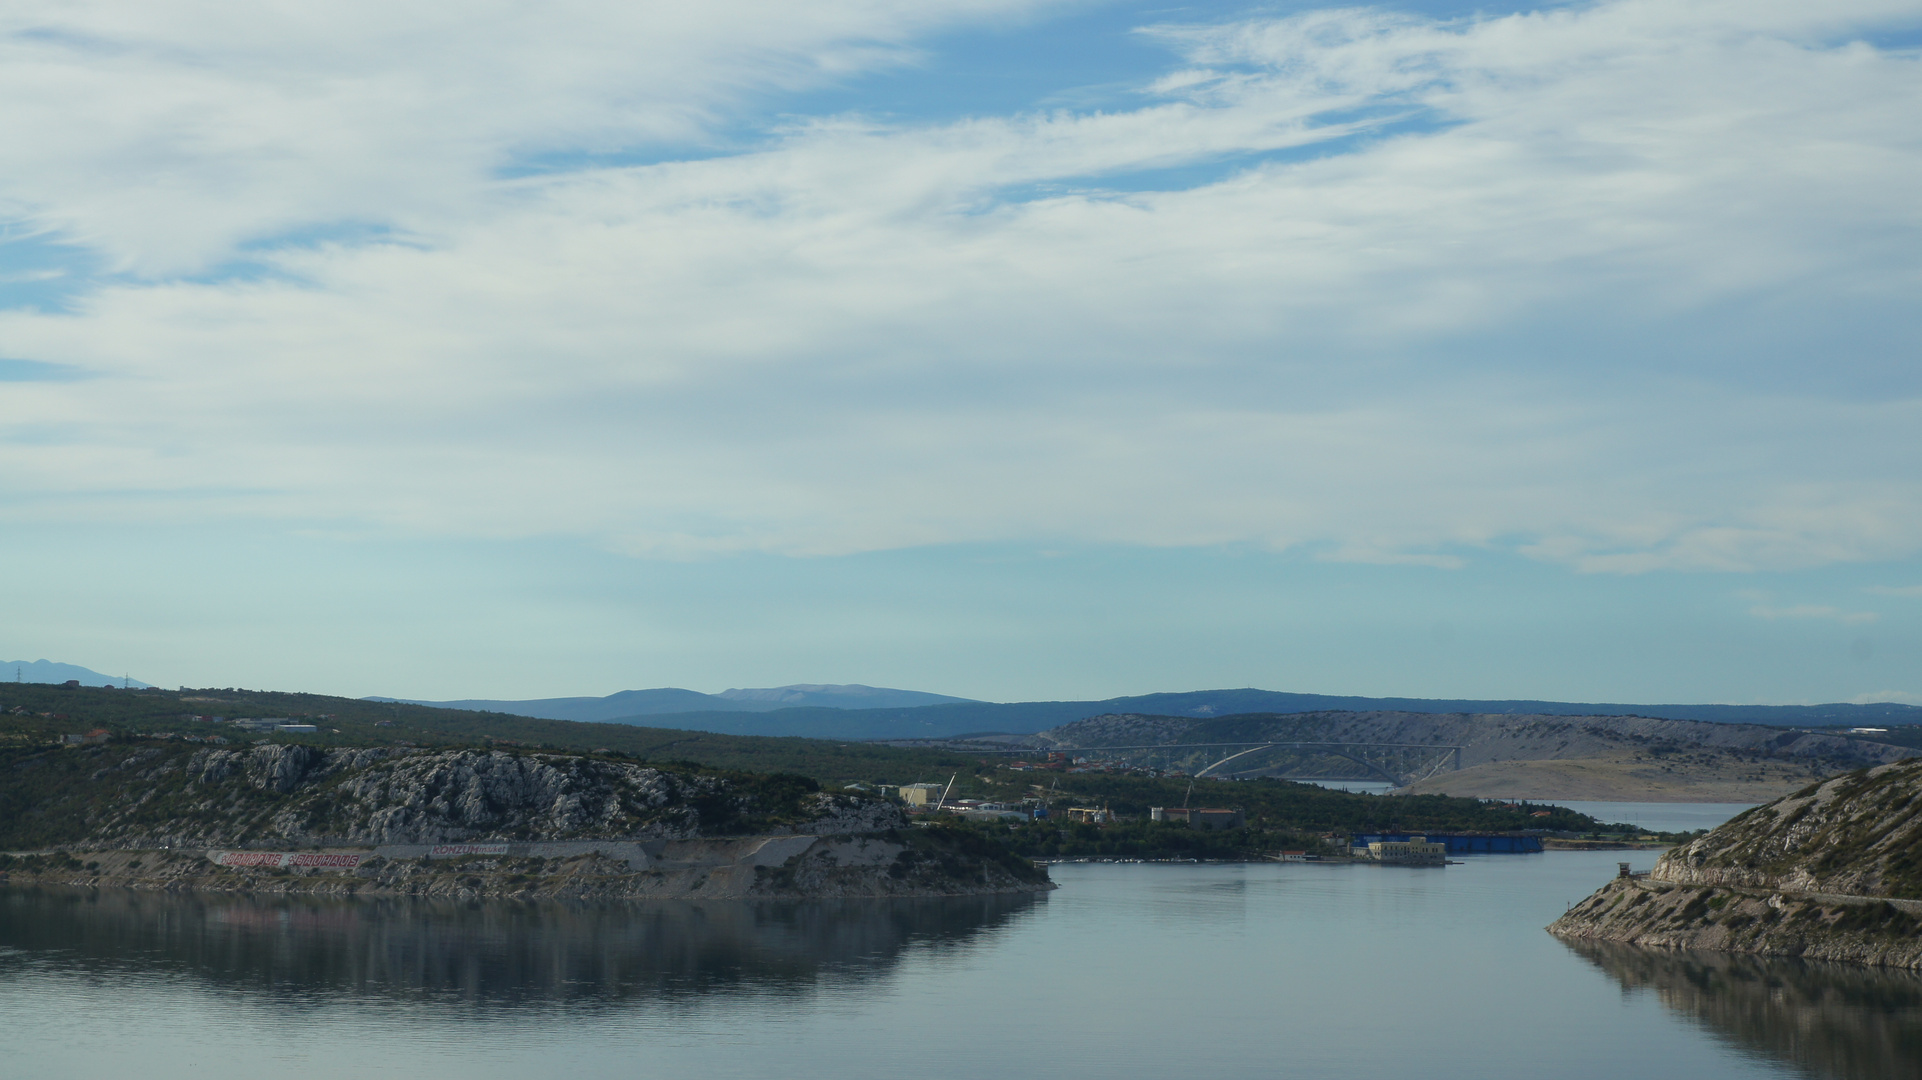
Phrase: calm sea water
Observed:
(1127, 971)
(1657, 816)
(1359, 787)
(1660, 816)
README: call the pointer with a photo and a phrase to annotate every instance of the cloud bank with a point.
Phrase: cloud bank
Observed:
(1623, 287)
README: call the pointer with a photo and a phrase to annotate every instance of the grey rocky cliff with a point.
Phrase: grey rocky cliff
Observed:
(1831, 872)
(840, 815)
(1816, 926)
(1858, 834)
(303, 795)
(471, 823)
(913, 862)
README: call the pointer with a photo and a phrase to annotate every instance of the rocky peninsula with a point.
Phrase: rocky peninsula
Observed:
(1832, 872)
(466, 822)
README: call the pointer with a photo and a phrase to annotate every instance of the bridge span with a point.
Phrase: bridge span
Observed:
(1397, 763)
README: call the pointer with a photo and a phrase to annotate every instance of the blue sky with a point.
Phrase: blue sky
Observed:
(996, 348)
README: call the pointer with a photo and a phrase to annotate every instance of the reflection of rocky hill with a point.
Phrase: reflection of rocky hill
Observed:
(1533, 756)
(1830, 1020)
(498, 952)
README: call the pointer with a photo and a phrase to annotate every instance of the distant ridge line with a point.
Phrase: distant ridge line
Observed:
(948, 717)
(54, 672)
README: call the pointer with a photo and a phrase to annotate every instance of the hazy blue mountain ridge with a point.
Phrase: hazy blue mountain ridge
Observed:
(50, 671)
(847, 696)
(628, 705)
(863, 717)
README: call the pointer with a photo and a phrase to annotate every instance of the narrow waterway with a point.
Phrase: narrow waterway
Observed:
(1653, 816)
(1127, 971)
(1658, 816)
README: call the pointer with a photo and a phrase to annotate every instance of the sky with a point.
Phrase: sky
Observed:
(1011, 349)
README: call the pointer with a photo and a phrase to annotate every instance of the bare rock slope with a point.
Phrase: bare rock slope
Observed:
(1831, 872)
(467, 822)
(1505, 755)
(298, 794)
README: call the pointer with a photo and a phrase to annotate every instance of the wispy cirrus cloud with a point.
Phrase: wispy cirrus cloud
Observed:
(1813, 611)
(168, 134)
(1550, 282)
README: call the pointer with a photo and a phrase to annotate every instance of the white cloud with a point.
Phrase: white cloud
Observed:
(1813, 611)
(166, 133)
(1895, 590)
(1565, 315)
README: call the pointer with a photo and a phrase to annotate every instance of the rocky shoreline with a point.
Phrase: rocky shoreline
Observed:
(1832, 872)
(917, 863)
(386, 821)
(1824, 926)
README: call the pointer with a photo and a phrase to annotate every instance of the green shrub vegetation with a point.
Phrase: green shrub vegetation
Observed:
(353, 722)
(48, 793)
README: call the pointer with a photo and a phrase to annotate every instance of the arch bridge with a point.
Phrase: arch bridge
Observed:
(1400, 764)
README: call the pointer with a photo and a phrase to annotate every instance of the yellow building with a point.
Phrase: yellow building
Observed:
(920, 794)
(1414, 851)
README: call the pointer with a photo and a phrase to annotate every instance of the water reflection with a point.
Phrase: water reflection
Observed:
(1829, 1020)
(500, 952)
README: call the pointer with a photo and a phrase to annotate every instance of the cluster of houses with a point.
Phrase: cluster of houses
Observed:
(266, 725)
(924, 798)
(1201, 817)
(1391, 849)
(276, 725)
(1060, 761)
(929, 798)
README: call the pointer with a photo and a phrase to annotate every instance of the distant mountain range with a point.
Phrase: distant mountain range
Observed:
(46, 671)
(867, 712)
(629, 705)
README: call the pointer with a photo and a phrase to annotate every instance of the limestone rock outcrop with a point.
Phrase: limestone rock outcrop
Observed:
(303, 795)
(1831, 872)
(1858, 834)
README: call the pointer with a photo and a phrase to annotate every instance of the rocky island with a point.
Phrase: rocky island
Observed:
(466, 822)
(1832, 872)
